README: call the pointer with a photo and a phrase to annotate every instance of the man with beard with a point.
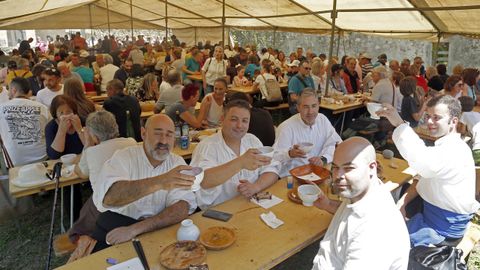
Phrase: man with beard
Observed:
(52, 88)
(308, 126)
(232, 162)
(142, 188)
(367, 230)
(123, 73)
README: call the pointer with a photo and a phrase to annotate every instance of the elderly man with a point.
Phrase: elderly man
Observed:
(232, 162)
(107, 72)
(126, 109)
(22, 71)
(101, 142)
(214, 68)
(366, 64)
(367, 230)
(66, 73)
(22, 124)
(384, 90)
(172, 94)
(297, 83)
(447, 173)
(142, 188)
(307, 126)
(52, 88)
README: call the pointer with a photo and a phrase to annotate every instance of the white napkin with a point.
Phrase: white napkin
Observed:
(132, 264)
(265, 203)
(271, 220)
(309, 177)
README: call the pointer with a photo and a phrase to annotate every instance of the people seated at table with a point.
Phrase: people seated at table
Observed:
(86, 73)
(149, 89)
(260, 84)
(468, 126)
(421, 81)
(384, 90)
(442, 73)
(366, 64)
(297, 83)
(36, 81)
(180, 112)
(336, 83)
(319, 76)
(261, 122)
(64, 134)
(101, 141)
(454, 87)
(434, 81)
(446, 185)
(231, 160)
(142, 189)
(307, 126)
(212, 104)
(107, 72)
(214, 68)
(124, 72)
(470, 77)
(253, 64)
(350, 76)
(367, 230)
(22, 70)
(66, 73)
(192, 66)
(73, 89)
(413, 104)
(292, 69)
(241, 80)
(134, 80)
(22, 124)
(396, 78)
(52, 88)
(126, 109)
(171, 94)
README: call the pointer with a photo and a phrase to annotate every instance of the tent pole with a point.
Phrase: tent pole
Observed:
(330, 50)
(223, 23)
(338, 43)
(131, 17)
(195, 35)
(275, 38)
(166, 19)
(108, 18)
(435, 59)
(91, 27)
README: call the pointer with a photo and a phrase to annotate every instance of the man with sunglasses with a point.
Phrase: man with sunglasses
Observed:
(367, 230)
(447, 174)
(297, 83)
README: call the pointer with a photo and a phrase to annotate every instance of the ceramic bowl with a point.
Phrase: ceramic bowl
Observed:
(308, 194)
(305, 147)
(300, 171)
(198, 173)
(266, 151)
(373, 108)
(69, 159)
(387, 154)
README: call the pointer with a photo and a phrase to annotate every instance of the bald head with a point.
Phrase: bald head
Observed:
(157, 119)
(356, 148)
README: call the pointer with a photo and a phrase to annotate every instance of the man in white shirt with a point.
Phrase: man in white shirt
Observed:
(307, 126)
(367, 230)
(22, 124)
(107, 72)
(447, 173)
(52, 88)
(142, 188)
(232, 162)
(214, 68)
(383, 91)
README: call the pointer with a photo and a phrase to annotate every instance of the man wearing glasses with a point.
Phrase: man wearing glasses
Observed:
(297, 83)
(447, 174)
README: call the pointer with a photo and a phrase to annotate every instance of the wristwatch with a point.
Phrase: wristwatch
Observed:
(324, 160)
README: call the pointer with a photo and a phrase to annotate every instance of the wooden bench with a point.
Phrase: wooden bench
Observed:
(276, 112)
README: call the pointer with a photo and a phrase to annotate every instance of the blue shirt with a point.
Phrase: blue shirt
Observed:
(297, 84)
(85, 73)
(250, 70)
(191, 65)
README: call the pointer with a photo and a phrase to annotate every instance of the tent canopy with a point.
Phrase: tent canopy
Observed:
(414, 18)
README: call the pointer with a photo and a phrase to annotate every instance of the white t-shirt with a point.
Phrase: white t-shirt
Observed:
(447, 169)
(398, 99)
(45, 96)
(260, 80)
(4, 95)
(132, 164)
(214, 112)
(107, 72)
(22, 127)
(367, 234)
(213, 151)
(164, 85)
(214, 69)
(294, 130)
(94, 157)
(471, 119)
(382, 92)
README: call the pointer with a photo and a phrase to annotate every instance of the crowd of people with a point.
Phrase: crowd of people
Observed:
(45, 112)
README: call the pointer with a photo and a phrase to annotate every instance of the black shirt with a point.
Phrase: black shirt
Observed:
(118, 106)
(261, 125)
(121, 74)
(436, 83)
(409, 107)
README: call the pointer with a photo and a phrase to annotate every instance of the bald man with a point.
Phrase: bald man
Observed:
(141, 187)
(367, 230)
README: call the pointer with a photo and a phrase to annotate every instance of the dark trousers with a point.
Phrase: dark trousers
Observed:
(106, 222)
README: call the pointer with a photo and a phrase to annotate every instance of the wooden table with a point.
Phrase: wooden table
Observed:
(98, 99)
(196, 77)
(144, 115)
(476, 109)
(257, 245)
(249, 89)
(341, 108)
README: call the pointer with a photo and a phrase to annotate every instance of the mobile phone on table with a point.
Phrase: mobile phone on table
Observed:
(218, 215)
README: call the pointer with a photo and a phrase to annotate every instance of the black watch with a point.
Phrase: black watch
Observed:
(324, 160)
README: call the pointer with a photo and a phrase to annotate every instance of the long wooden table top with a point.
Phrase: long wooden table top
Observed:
(340, 108)
(74, 179)
(98, 99)
(249, 89)
(146, 114)
(257, 245)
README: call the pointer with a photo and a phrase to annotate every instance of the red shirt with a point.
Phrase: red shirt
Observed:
(422, 82)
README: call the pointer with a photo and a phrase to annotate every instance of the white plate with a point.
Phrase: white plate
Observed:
(309, 177)
(29, 184)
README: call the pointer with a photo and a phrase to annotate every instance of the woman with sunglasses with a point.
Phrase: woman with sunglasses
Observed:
(454, 87)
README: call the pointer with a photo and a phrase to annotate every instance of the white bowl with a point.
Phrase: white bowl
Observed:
(198, 173)
(308, 194)
(266, 151)
(305, 147)
(69, 159)
(372, 108)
